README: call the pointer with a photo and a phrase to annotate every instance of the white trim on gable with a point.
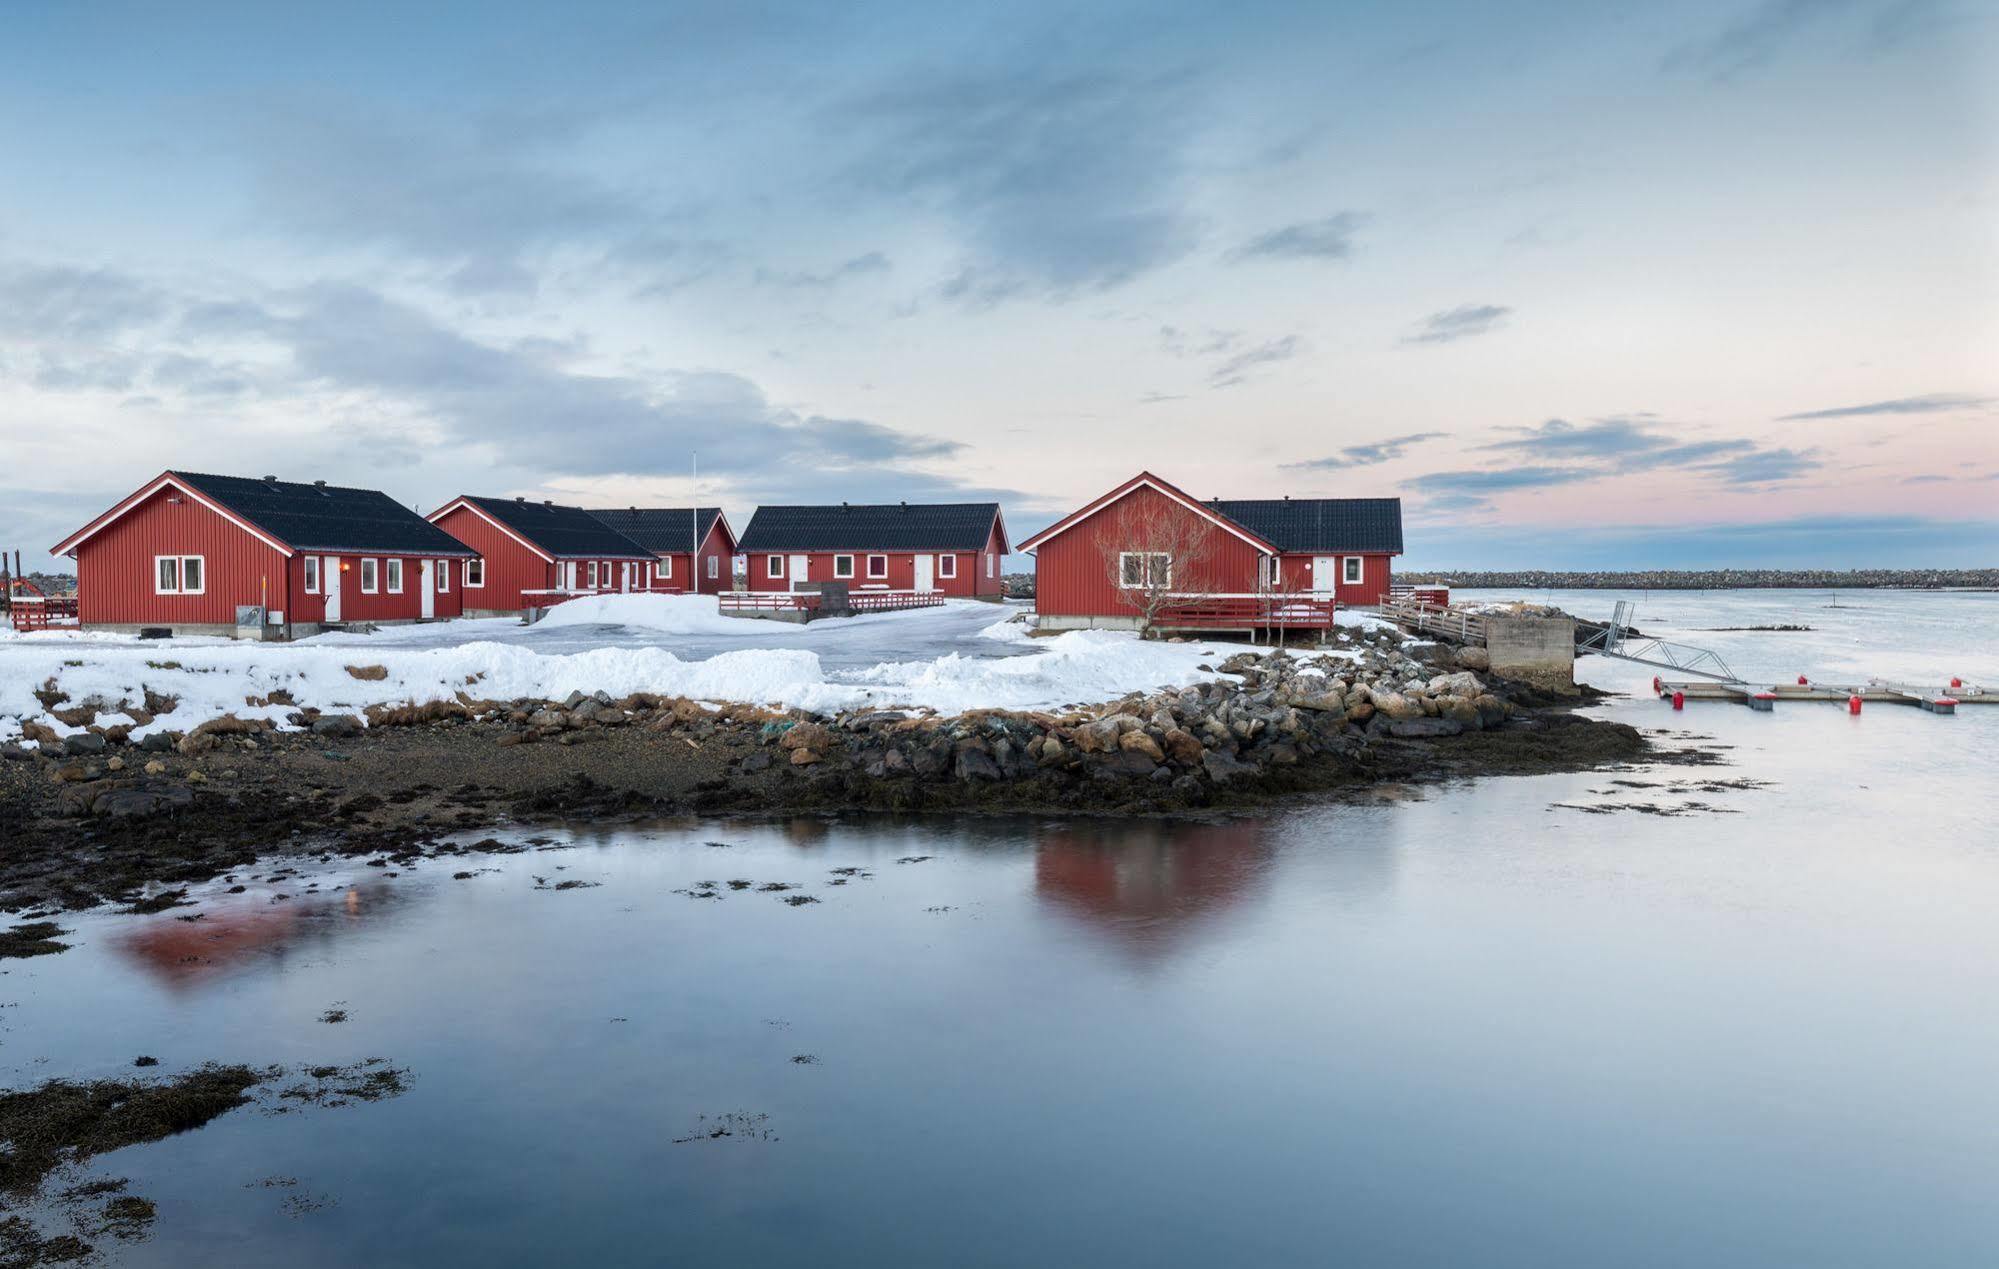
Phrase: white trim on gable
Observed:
(476, 510)
(1145, 480)
(105, 521)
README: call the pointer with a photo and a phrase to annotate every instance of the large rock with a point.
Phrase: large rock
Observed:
(1419, 728)
(83, 744)
(1139, 742)
(1462, 683)
(1473, 658)
(805, 736)
(1182, 747)
(1100, 736)
(1394, 706)
(974, 764)
(336, 726)
(1223, 767)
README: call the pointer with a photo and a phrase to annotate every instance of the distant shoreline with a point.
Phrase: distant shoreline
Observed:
(1967, 579)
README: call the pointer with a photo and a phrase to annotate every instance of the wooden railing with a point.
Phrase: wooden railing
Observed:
(893, 600)
(40, 612)
(767, 601)
(1248, 612)
(1458, 623)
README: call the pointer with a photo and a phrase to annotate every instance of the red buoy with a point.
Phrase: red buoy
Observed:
(1853, 704)
(1679, 700)
(1957, 682)
(1656, 685)
(1803, 681)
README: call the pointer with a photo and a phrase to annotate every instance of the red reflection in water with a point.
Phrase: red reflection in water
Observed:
(184, 955)
(1149, 884)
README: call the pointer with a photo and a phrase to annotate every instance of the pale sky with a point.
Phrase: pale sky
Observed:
(1584, 284)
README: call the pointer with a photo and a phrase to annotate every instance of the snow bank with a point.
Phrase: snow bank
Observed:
(669, 614)
(210, 680)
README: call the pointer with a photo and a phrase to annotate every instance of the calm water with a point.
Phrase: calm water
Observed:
(1473, 1025)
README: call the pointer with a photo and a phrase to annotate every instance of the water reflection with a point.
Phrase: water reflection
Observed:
(1149, 885)
(185, 954)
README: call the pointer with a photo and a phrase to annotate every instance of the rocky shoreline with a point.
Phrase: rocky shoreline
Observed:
(1717, 579)
(101, 819)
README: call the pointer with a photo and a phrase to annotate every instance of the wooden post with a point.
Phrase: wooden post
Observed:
(6, 585)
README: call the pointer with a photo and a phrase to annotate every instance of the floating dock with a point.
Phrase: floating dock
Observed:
(1937, 700)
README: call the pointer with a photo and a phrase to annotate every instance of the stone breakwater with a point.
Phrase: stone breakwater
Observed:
(1718, 579)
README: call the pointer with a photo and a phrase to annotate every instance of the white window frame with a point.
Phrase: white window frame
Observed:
(662, 569)
(774, 568)
(444, 577)
(843, 574)
(947, 565)
(714, 566)
(180, 586)
(475, 574)
(992, 564)
(1146, 559)
(392, 576)
(371, 576)
(1353, 569)
(312, 574)
(874, 574)
(593, 575)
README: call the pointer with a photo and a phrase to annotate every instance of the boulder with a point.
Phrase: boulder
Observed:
(1100, 736)
(1140, 742)
(83, 744)
(805, 737)
(1473, 658)
(1182, 747)
(803, 757)
(1223, 767)
(1462, 683)
(1394, 705)
(974, 764)
(369, 673)
(336, 726)
(1128, 762)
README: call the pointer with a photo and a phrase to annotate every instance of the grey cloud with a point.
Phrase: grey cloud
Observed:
(1328, 239)
(1752, 40)
(1059, 182)
(1210, 343)
(1604, 438)
(1368, 455)
(105, 372)
(1461, 322)
(1237, 368)
(1499, 480)
(871, 262)
(1766, 467)
(61, 302)
(1934, 403)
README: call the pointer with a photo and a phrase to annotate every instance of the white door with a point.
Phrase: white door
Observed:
(426, 586)
(329, 569)
(797, 569)
(926, 568)
(1325, 573)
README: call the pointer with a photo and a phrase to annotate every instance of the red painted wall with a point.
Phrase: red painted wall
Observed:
(1295, 574)
(380, 606)
(971, 579)
(510, 567)
(114, 569)
(718, 547)
(1072, 570)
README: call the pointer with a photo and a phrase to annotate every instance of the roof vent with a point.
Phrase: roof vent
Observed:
(905, 504)
(272, 480)
(520, 497)
(546, 503)
(319, 484)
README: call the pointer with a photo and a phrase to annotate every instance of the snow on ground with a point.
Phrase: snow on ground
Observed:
(618, 644)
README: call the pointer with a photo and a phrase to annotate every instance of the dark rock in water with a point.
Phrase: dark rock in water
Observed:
(975, 765)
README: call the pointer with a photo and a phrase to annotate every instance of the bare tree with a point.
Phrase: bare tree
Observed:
(1155, 555)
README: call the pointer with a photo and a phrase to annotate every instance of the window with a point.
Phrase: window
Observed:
(662, 567)
(992, 564)
(878, 566)
(312, 574)
(714, 566)
(179, 575)
(843, 566)
(475, 574)
(395, 577)
(773, 566)
(1351, 567)
(443, 576)
(368, 586)
(1139, 570)
(593, 574)
(947, 566)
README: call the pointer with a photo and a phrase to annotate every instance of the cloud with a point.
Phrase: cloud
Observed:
(1767, 467)
(1461, 322)
(63, 302)
(1613, 437)
(1330, 238)
(1934, 403)
(1492, 480)
(1369, 454)
(1056, 181)
(1212, 342)
(872, 262)
(1752, 40)
(1236, 369)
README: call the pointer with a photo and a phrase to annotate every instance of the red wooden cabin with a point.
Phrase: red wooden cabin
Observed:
(532, 554)
(673, 535)
(929, 548)
(187, 551)
(1089, 565)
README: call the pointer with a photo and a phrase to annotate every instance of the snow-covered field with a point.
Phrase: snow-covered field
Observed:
(965, 655)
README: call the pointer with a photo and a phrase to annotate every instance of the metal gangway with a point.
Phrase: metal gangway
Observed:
(1618, 640)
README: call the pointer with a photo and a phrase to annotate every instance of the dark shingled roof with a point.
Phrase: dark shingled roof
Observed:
(1320, 524)
(326, 517)
(561, 531)
(659, 528)
(909, 526)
